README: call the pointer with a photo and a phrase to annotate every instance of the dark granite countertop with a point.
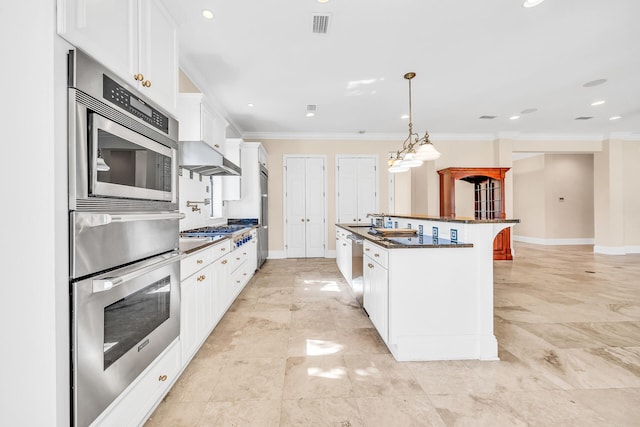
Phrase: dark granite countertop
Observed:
(188, 245)
(463, 220)
(416, 242)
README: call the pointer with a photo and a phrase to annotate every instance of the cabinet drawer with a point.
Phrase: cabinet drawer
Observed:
(239, 278)
(136, 403)
(195, 262)
(341, 232)
(379, 255)
(221, 249)
(237, 258)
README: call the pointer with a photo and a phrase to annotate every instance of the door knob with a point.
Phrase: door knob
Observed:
(307, 219)
(302, 220)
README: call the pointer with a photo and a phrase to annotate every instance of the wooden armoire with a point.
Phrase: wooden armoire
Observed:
(488, 200)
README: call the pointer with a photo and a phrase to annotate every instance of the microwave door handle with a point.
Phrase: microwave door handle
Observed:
(108, 283)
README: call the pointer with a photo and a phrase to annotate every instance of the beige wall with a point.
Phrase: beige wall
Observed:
(569, 176)
(416, 191)
(631, 182)
(540, 182)
(529, 197)
(276, 150)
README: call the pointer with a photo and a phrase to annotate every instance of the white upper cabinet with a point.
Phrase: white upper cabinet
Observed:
(200, 122)
(136, 39)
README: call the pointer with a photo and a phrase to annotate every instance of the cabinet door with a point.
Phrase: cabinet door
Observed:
(221, 291)
(105, 29)
(158, 53)
(366, 188)
(207, 133)
(368, 301)
(204, 285)
(188, 317)
(381, 296)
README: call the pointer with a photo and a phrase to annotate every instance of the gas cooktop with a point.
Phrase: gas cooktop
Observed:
(214, 230)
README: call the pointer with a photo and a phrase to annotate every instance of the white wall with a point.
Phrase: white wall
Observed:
(529, 197)
(34, 320)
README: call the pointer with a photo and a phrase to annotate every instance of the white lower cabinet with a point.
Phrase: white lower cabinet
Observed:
(199, 308)
(136, 404)
(376, 291)
(343, 254)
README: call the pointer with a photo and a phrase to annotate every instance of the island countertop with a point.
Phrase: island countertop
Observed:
(460, 219)
(415, 242)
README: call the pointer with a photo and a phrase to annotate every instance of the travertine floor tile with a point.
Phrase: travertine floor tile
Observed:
(295, 349)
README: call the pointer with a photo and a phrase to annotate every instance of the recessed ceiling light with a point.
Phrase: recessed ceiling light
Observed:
(251, 105)
(323, 1)
(593, 83)
(531, 3)
(615, 117)
(310, 114)
(404, 116)
(528, 111)
(516, 117)
(206, 13)
(593, 104)
(488, 117)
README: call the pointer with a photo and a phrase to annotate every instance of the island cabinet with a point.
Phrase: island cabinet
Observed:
(136, 39)
(430, 296)
(343, 253)
(375, 288)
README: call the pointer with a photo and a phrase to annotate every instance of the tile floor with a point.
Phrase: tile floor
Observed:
(296, 350)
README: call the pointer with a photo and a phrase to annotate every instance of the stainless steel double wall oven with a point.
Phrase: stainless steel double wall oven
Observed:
(124, 224)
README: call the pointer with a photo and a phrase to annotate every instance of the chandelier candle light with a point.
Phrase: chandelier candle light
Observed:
(415, 150)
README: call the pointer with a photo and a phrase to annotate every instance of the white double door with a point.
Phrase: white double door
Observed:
(357, 189)
(305, 222)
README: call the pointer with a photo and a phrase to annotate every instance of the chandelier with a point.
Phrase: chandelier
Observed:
(415, 150)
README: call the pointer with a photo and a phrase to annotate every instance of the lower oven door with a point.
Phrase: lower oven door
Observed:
(122, 320)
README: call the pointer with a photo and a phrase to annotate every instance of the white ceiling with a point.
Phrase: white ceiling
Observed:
(471, 57)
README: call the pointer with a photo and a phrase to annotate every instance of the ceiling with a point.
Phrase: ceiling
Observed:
(472, 58)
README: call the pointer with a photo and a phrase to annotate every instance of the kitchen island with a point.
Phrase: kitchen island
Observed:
(430, 296)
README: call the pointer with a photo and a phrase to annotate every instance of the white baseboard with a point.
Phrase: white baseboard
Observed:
(283, 254)
(553, 242)
(616, 250)
(277, 255)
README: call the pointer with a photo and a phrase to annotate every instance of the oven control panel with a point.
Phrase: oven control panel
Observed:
(118, 95)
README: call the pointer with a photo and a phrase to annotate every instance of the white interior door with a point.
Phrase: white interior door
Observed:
(295, 207)
(305, 224)
(314, 205)
(347, 194)
(367, 191)
(357, 189)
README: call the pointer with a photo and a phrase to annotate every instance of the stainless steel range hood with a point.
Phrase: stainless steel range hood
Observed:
(200, 157)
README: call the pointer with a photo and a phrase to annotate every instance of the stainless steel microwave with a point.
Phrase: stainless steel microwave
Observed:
(123, 151)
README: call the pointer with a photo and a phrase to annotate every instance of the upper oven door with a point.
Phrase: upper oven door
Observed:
(126, 164)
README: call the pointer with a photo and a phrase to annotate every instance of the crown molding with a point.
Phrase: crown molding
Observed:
(394, 137)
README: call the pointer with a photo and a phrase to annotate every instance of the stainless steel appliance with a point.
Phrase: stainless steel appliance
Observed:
(122, 149)
(263, 230)
(124, 265)
(356, 265)
(239, 233)
(200, 157)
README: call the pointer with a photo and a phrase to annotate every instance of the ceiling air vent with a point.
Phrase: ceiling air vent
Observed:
(311, 110)
(320, 23)
(583, 118)
(488, 117)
